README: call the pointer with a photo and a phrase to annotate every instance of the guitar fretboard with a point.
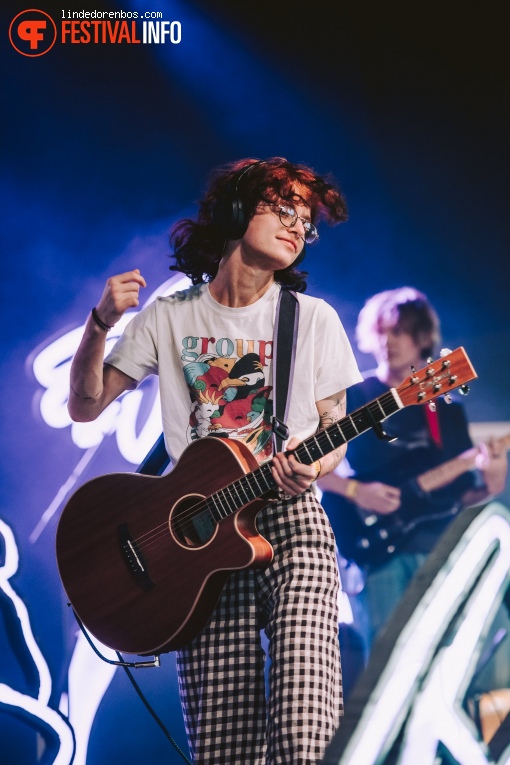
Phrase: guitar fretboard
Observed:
(260, 482)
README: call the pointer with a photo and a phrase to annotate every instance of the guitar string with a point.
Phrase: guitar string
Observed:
(184, 525)
(185, 517)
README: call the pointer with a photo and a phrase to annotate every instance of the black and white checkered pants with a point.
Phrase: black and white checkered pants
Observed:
(221, 673)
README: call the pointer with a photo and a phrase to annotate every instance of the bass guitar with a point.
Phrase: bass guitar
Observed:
(143, 559)
(368, 537)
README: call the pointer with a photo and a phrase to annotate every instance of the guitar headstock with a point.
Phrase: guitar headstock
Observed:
(439, 377)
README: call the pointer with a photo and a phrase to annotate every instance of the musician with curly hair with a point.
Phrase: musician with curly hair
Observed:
(214, 343)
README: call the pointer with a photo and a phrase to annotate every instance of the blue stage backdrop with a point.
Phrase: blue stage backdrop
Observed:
(104, 146)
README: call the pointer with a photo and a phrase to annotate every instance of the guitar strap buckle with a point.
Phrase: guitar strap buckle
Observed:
(280, 429)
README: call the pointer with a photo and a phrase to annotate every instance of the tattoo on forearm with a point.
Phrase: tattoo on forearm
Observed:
(334, 414)
(336, 458)
(84, 398)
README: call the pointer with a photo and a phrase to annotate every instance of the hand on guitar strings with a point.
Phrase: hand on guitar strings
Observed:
(290, 475)
(377, 497)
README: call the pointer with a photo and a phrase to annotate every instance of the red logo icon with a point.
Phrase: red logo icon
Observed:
(32, 33)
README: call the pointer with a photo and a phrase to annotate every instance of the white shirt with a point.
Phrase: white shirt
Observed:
(215, 365)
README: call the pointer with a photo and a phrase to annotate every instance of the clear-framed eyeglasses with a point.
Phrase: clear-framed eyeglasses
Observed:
(289, 217)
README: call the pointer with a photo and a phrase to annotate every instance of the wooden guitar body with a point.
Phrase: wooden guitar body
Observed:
(132, 581)
(143, 559)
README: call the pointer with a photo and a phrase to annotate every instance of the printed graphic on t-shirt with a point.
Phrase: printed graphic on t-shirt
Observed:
(229, 394)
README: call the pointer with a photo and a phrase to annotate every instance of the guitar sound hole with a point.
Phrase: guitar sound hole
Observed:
(191, 522)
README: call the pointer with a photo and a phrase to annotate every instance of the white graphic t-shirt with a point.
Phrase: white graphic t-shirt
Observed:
(215, 366)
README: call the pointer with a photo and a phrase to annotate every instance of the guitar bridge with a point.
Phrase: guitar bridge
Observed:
(134, 558)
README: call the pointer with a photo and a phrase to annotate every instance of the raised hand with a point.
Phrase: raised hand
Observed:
(120, 293)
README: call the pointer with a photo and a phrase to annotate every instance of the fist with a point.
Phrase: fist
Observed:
(120, 293)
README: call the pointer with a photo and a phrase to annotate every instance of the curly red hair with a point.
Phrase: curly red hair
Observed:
(198, 244)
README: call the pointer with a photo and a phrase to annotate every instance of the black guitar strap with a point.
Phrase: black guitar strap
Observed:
(156, 460)
(284, 354)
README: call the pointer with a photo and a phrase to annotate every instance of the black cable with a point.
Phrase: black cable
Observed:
(151, 710)
(137, 665)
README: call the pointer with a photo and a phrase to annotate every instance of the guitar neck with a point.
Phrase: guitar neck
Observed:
(444, 474)
(260, 482)
(360, 421)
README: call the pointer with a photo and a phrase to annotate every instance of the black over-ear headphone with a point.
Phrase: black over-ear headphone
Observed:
(229, 212)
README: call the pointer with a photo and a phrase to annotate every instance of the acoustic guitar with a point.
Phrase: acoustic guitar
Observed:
(143, 559)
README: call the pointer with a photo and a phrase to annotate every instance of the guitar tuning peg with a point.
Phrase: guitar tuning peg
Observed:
(444, 352)
(430, 360)
(432, 406)
(464, 390)
(414, 379)
(448, 399)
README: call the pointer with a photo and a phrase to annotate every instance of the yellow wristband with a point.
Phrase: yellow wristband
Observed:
(351, 488)
(317, 466)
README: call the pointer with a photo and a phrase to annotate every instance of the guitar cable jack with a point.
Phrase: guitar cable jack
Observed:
(154, 662)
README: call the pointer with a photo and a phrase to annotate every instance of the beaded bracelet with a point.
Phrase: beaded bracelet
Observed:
(99, 322)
